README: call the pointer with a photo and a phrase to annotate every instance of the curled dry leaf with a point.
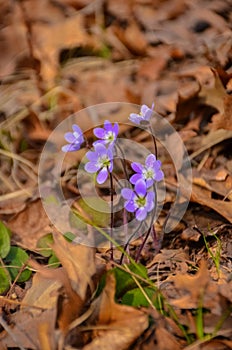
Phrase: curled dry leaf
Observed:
(122, 324)
(78, 262)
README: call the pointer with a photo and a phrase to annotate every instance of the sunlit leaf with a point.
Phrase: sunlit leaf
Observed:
(4, 240)
(125, 281)
(136, 297)
(4, 280)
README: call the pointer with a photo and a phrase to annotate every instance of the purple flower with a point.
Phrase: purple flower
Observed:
(150, 172)
(100, 161)
(108, 134)
(74, 138)
(139, 201)
(144, 116)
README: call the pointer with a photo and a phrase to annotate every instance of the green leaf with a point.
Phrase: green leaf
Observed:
(124, 280)
(44, 245)
(16, 258)
(53, 261)
(4, 280)
(96, 209)
(136, 298)
(69, 236)
(4, 240)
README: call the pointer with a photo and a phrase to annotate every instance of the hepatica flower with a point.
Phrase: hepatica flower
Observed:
(100, 162)
(144, 116)
(108, 134)
(139, 200)
(150, 172)
(74, 138)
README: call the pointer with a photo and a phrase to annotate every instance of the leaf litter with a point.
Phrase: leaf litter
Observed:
(176, 53)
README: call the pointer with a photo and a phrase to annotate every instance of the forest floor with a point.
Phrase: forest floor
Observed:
(104, 59)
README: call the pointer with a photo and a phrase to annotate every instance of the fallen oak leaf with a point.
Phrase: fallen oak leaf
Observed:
(78, 262)
(42, 294)
(224, 120)
(121, 324)
(204, 198)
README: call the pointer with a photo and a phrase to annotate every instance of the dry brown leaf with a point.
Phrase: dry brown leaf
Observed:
(224, 120)
(132, 37)
(37, 315)
(175, 255)
(151, 68)
(215, 94)
(70, 303)
(30, 224)
(170, 341)
(186, 285)
(78, 262)
(42, 294)
(28, 330)
(203, 197)
(210, 140)
(122, 324)
(50, 40)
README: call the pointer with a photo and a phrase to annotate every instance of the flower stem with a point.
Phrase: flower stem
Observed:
(154, 141)
(128, 242)
(111, 213)
(151, 228)
(123, 161)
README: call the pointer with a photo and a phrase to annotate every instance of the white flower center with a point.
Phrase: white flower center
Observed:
(148, 173)
(140, 202)
(104, 161)
(109, 136)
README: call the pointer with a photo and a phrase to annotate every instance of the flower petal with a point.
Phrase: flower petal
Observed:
(150, 161)
(102, 176)
(127, 193)
(77, 129)
(91, 167)
(110, 168)
(144, 109)
(92, 156)
(149, 182)
(69, 137)
(100, 149)
(141, 188)
(115, 129)
(137, 167)
(135, 118)
(134, 178)
(108, 125)
(130, 206)
(150, 201)
(141, 214)
(99, 132)
(70, 148)
(110, 152)
(159, 175)
(98, 141)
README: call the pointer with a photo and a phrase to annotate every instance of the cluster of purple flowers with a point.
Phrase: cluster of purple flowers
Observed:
(141, 199)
